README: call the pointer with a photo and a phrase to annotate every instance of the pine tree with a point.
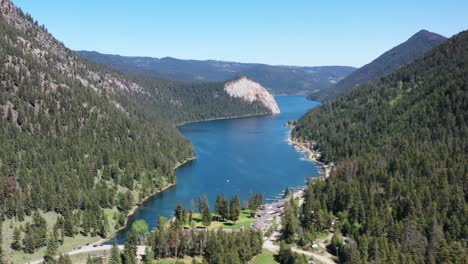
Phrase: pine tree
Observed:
(192, 210)
(52, 246)
(149, 255)
(68, 226)
(130, 250)
(64, 259)
(115, 257)
(234, 208)
(16, 243)
(252, 203)
(206, 213)
(222, 207)
(179, 212)
(29, 240)
(258, 199)
(39, 229)
(289, 222)
(285, 255)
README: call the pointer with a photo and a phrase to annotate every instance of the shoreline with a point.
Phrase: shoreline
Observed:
(170, 185)
(311, 155)
(221, 118)
(132, 211)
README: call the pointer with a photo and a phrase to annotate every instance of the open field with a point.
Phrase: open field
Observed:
(267, 257)
(8, 227)
(244, 220)
(186, 260)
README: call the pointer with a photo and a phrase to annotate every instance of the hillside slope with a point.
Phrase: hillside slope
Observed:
(278, 79)
(417, 45)
(70, 134)
(400, 149)
(181, 102)
(81, 144)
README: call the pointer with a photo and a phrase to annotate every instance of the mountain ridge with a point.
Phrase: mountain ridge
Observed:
(415, 46)
(279, 79)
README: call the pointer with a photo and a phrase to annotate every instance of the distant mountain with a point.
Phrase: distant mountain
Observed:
(278, 79)
(402, 54)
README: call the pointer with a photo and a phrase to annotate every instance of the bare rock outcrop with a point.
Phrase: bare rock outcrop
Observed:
(251, 91)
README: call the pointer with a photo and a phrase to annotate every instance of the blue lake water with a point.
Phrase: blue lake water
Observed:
(234, 157)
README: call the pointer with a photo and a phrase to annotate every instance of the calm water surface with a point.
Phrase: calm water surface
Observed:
(234, 157)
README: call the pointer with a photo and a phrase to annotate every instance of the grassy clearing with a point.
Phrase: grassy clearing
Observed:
(186, 259)
(8, 227)
(82, 258)
(70, 243)
(51, 217)
(267, 257)
(244, 220)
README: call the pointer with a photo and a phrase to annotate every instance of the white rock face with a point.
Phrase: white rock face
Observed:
(251, 91)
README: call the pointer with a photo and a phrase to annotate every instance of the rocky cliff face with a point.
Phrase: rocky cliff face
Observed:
(251, 91)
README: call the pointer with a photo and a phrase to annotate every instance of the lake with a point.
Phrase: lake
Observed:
(234, 157)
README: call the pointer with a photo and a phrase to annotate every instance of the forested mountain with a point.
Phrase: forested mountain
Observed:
(182, 102)
(391, 60)
(80, 140)
(278, 79)
(399, 144)
(66, 125)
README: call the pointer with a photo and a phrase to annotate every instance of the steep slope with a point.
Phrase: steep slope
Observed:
(70, 135)
(81, 144)
(401, 151)
(417, 45)
(278, 79)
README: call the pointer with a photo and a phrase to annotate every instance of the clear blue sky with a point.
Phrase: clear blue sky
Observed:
(288, 32)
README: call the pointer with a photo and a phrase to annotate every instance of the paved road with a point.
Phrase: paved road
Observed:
(91, 249)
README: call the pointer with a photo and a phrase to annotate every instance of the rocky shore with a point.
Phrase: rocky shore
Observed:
(307, 147)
